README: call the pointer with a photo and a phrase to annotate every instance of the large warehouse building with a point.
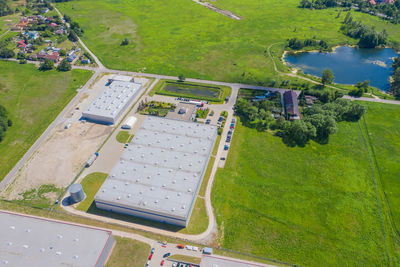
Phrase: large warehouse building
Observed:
(111, 104)
(159, 174)
(34, 242)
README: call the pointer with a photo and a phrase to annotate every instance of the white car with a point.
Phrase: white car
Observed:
(195, 249)
(189, 247)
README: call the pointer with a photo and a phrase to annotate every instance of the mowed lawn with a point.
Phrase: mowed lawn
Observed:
(128, 253)
(33, 99)
(383, 128)
(311, 206)
(182, 37)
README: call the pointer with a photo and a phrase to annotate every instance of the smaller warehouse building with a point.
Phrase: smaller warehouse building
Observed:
(219, 261)
(112, 103)
(33, 241)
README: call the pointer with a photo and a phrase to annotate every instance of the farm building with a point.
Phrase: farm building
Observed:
(32, 241)
(112, 103)
(159, 174)
(291, 105)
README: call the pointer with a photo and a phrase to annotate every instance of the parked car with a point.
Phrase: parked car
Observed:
(166, 255)
(223, 158)
(180, 246)
(232, 126)
(162, 263)
(152, 250)
(195, 249)
(228, 139)
(151, 256)
(174, 264)
(148, 263)
(208, 121)
(189, 247)
(221, 118)
(233, 120)
(230, 133)
(226, 147)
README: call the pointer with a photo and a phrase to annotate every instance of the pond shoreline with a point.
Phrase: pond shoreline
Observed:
(294, 68)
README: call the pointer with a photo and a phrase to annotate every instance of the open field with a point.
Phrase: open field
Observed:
(182, 37)
(33, 99)
(312, 206)
(381, 125)
(128, 253)
(185, 258)
(7, 22)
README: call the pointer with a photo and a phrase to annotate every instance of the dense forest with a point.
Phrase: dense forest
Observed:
(5, 9)
(395, 84)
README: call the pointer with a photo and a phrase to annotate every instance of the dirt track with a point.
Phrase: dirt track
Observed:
(59, 159)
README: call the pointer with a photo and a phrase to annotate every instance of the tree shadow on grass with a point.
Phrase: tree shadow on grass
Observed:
(132, 219)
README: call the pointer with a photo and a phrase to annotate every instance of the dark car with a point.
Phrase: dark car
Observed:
(208, 121)
(233, 120)
(223, 158)
(228, 139)
(229, 133)
(232, 126)
(166, 255)
(226, 147)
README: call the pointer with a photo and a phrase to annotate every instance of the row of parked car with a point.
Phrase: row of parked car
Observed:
(230, 133)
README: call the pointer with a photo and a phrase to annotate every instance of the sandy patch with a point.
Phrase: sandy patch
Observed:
(59, 158)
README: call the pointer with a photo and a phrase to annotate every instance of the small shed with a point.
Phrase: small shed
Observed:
(129, 123)
(207, 251)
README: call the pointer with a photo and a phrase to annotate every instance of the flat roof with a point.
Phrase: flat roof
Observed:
(113, 100)
(30, 241)
(162, 168)
(219, 261)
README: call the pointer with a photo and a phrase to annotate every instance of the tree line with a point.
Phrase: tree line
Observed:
(368, 37)
(297, 44)
(5, 122)
(386, 11)
(5, 9)
(395, 83)
(320, 121)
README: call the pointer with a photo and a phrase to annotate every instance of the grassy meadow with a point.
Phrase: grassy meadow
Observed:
(312, 206)
(33, 99)
(182, 37)
(128, 253)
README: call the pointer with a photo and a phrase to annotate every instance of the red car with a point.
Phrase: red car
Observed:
(180, 246)
(162, 262)
(151, 256)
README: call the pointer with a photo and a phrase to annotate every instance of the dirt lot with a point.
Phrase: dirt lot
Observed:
(59, 159)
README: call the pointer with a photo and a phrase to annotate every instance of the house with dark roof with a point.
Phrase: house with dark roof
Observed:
(291, 105)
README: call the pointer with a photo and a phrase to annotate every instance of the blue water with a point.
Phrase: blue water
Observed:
(349, 64)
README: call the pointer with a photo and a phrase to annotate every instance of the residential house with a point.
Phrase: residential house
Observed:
(32, 35)
(291, 105)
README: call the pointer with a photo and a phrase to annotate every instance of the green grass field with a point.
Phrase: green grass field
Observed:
(33, 99)
(182, 37)
(128, 253)
(312, 206)
(123, 137)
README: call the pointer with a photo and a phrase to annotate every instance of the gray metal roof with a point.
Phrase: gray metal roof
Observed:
(219, 261)
(162, 168)
(28, 241)
(113, 100)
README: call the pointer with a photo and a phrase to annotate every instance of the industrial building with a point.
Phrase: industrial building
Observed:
(158, 176)
(219, 261)
(111, 104)
(34, 242)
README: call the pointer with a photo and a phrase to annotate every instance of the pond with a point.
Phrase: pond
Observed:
(349, 64)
